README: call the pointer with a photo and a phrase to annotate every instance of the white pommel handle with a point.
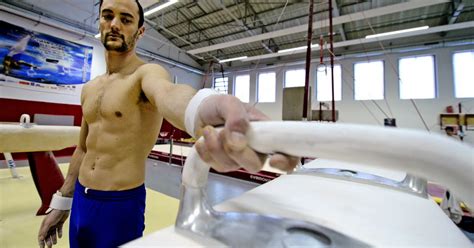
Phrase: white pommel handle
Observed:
(25, 120)
(431, 156)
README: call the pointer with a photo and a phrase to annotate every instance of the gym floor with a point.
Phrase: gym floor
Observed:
(19, 202)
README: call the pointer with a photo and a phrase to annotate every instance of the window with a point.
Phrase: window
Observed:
(463, 63)
(323, 84)
(294, 78)
(368, 80)
(266, 87)
(220, 84)
(242, 87)
(417, 77)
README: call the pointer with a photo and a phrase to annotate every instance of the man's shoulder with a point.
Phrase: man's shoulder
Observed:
(92, 81)
(90, 84)
(151, 68)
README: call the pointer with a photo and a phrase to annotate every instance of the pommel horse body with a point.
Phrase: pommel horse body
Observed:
(38, 142)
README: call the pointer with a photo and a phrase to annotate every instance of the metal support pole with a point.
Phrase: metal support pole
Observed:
(11, 164)
(308, 60)
(331, 51)
(460, 131)
(170, 161)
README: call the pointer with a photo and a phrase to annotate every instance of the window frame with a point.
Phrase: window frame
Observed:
(317, 83)
(214, 83)
(235, 85)
(258, 83)
(383, 79)
(435, 76)
(294, 69)
(453, 73)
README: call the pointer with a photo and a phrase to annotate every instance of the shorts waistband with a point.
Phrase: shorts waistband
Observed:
(112, 195)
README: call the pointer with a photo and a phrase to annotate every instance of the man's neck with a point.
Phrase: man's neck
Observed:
(121, 62)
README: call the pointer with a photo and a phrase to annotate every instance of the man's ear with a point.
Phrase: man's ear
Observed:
(141, 32)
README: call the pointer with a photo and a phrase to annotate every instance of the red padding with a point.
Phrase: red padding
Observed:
(47, 176)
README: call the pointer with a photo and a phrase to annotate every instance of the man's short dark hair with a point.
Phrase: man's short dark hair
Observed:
(140, 12)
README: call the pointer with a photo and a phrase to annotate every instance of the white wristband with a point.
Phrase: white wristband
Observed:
(192, 109)
(60, 202)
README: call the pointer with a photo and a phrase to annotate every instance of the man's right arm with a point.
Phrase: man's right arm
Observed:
(67, 189)
(52, 226)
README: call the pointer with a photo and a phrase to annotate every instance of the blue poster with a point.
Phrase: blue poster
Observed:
(37, 59)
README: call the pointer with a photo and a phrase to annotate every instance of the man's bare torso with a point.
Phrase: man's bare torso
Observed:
(123, 127)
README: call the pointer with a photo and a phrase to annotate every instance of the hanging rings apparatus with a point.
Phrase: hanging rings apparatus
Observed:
(321, 66)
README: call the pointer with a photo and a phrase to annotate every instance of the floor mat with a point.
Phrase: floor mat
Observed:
(19, 202)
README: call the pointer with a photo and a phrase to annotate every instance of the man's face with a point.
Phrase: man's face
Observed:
(119, 25)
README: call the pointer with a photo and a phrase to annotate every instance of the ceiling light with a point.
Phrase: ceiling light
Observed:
(160, 7)
(97, 35)
(232, 59)
(397, 32)
(297, 48)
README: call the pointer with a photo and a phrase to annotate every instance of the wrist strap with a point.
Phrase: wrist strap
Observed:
(60, 202)
(191, 114)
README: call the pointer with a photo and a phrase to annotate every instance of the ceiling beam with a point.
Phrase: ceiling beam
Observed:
(301, 41)
(195, 26)
(155, 25)
(195, 18)
(337, 13)
(390, 9)
(456, 13)
(226, 23)
(241, 24)
(444, 28)
(264, 25)
(200, 31)
(257, 27)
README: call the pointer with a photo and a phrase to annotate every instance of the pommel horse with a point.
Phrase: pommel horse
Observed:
(38, 141)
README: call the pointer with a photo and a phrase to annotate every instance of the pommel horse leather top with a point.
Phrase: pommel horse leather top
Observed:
(26, 137)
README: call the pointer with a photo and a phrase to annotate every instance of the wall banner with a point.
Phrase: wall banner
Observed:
(34, 61)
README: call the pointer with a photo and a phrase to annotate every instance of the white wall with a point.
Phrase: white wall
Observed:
(351, 111)
(98, 64)
(157, 43)
(183, 76)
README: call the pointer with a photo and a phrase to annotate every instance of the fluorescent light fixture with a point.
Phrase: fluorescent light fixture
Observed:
(397, 32)
(160, 7)
(97, 35)
(232, 59)
(297, 48)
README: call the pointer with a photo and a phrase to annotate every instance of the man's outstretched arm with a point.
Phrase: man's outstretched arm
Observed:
(226, 150)
(170, 99)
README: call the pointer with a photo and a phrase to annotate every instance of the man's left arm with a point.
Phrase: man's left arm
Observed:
(226, 150)
(170, 99)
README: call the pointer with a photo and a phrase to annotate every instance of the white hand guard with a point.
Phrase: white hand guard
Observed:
(60, 202)
(191, 114)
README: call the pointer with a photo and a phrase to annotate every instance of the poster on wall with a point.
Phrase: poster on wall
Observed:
(33, 61)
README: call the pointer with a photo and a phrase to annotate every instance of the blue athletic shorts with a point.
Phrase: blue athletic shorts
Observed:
(101, 219)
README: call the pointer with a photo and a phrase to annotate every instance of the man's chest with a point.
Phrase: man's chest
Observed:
(116, 98)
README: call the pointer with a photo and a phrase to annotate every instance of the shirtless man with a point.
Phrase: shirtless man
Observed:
(123, 111)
